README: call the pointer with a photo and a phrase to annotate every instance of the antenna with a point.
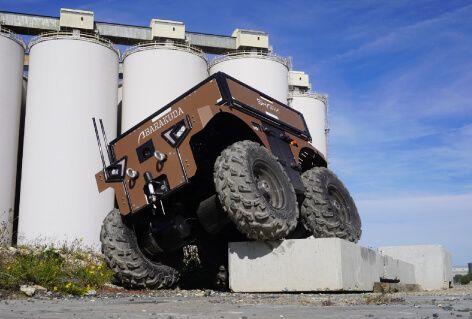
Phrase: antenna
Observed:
(106, 141)
(99, 143)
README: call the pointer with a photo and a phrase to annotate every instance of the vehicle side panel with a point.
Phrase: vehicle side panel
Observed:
(197, 108)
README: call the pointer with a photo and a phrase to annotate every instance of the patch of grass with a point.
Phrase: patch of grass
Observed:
(58, 270)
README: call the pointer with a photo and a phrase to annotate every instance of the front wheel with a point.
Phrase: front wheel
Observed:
(132, 268)
(328, 209)
(255, 191)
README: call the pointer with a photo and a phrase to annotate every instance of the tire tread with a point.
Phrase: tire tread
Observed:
(122, 254)
(315, 213)
(245, 208)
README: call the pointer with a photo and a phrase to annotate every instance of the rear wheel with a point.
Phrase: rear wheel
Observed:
(255, 191)
(328, 209)
(133, 269)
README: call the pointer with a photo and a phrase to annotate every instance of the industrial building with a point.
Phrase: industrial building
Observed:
(74, 73)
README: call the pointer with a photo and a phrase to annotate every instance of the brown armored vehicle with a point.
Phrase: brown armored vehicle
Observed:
(223, 162)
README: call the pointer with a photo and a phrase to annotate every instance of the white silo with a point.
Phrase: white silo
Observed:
(11, 84)
(314, 108)
(264, 71)
(156, 73)
(72, 78)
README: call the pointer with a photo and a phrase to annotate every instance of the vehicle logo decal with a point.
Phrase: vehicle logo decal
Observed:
(267, 104)
(159, 121)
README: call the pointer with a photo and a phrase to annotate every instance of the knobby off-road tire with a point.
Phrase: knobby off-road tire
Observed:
(328, 209)
(255, 191)
(132, 268)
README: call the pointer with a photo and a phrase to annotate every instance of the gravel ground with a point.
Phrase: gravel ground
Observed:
(115, 303)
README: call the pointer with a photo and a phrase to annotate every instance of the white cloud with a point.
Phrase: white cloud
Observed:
(406, 36)
(408, 130)
(410, 220)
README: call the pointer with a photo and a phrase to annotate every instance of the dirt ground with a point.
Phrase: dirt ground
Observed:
(116, 303)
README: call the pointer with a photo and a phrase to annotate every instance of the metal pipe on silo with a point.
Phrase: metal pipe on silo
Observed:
(72, 77)
(20, 152)
(156, 73)
(264, 71)
(12, 51)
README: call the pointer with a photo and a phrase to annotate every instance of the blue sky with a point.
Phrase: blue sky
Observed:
(399, 77)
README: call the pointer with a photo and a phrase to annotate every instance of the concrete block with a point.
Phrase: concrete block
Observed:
(406, 273)
(390, 268)
(432, 264)
(322, 264)
(398, 270)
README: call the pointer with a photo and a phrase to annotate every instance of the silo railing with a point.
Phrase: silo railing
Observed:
(165, 45)
(73, 35)
(318, 96)
(287, 61)
(9, 34)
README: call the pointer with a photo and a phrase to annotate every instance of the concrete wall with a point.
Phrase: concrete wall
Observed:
(395, 269)
(433, 268)
(321, 264)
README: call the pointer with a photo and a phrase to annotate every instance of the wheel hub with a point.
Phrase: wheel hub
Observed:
(264, 187)
(336, 204)
(268, 184)
(337, 201)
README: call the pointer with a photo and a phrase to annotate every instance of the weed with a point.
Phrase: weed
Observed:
(6, 222)
(61, 270)
(191, 261)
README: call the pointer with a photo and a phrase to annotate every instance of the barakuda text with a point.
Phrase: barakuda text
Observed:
(159, 122)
